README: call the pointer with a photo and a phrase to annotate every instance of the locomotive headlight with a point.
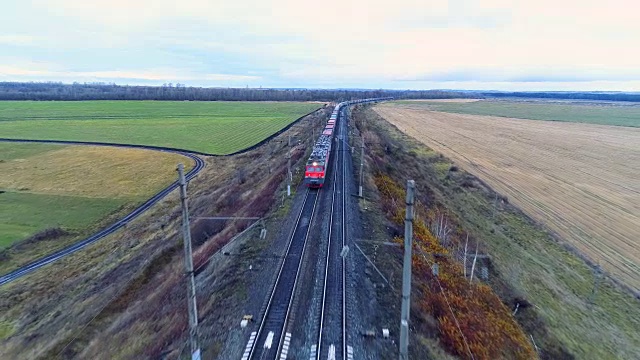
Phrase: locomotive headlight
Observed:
(314, 164)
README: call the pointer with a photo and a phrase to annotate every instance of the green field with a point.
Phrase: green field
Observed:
(23, 214)
(211, 127)
(75, 187)
(604, 114)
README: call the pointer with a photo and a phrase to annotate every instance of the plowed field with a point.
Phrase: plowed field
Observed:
(581, 180)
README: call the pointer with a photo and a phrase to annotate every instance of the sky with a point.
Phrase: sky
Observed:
(400, 44)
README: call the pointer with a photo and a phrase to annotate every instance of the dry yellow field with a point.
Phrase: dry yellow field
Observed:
(92, 171)
(581, 180)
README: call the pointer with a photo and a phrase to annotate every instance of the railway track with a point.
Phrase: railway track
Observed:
(270, 340)
(332, 334)
(23, 270)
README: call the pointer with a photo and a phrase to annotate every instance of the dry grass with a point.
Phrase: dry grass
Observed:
(580, 180)
(566, 320)
(92, 171)
(123, 297)
(78, 188)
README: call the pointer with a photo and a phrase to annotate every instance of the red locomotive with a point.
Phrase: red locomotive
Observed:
(316, 168)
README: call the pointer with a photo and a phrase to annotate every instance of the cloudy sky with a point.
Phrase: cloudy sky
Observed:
(399, 44)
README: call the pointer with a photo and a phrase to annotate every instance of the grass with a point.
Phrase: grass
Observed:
(123, 295)
(88, 171)
(605, 114)
(527, 261)
(23, 214)
(74, 187)
(6, 330)
(211, 127)
(21, 151)
(574, 178)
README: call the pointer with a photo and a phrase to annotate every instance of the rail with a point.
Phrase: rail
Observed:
(333, 306)
(274, 321)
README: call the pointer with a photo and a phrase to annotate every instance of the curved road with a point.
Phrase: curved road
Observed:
(199, 165)
(135, 213)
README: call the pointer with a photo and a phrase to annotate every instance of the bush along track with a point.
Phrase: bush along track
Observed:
(473, 323)
(199, 165)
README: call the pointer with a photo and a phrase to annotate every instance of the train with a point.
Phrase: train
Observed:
(315, 171)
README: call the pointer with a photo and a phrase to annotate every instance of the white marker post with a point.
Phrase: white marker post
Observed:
(269, 341)
(332, 352)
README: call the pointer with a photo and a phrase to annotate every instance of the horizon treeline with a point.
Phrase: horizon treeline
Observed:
(178, 92)
(44, 91)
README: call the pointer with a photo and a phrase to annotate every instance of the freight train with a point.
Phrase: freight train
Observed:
(316, 168)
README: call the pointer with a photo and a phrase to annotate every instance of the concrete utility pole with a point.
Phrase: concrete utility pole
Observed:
(289, 168)
(188, 266)
(406, 272)
(473, 265)
(361, 167)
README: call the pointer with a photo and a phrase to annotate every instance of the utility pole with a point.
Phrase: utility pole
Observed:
(188, 266)
(289, 168)
(464, 266)
(473, 265)
(406, 273)
(361, 167)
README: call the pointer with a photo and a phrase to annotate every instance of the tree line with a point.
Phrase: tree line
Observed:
(178, 92)
(565, 95)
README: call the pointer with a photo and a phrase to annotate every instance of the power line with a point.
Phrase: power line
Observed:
(98, 313)
(221, 250)
(168, 293)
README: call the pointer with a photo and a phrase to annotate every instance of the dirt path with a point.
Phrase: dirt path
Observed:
(581, 180)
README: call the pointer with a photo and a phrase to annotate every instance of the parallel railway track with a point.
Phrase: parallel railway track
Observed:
(332, 334)
(270, 340)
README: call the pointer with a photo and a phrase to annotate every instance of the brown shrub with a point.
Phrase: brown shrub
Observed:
(471, 318)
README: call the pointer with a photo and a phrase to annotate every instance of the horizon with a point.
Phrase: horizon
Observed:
(471, 45)
(181, 85)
